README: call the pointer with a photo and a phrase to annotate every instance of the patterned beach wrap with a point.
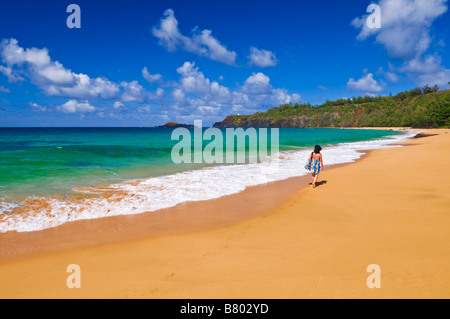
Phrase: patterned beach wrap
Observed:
(315, 167)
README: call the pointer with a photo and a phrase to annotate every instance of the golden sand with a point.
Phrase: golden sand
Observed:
(390, 209)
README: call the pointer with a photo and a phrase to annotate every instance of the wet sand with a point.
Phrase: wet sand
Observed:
(183, 218)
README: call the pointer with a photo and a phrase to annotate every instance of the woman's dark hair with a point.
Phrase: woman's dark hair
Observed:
(317, 149)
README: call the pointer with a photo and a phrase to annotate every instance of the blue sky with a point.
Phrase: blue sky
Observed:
(144, 63)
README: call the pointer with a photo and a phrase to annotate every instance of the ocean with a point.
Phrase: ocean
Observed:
(51, 176)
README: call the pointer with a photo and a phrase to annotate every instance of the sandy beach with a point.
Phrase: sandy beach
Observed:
(391, 208)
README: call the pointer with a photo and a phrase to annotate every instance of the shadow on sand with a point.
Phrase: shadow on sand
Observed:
(319, 183)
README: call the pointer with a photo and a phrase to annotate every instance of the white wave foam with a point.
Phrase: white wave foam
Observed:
(167, 191)
(6, 206)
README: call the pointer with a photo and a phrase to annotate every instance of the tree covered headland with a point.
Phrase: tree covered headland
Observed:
(425, 107)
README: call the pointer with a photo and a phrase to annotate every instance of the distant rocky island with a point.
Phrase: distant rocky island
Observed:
(174, 125)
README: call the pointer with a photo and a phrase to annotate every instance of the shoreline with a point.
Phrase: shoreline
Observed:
(50, 211)
(284, 253)
(143, 195)
(185, 217)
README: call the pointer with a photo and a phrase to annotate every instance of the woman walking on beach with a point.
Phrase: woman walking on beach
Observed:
(316, 164)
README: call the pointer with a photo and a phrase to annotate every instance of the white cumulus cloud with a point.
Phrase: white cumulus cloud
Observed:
(405, 26)
(406, 35)
(427, 70)
(262, 58)
(74, 106)
(366, 84)
(51, 76)
(37, 107)
(198, 97)
(151, 78)
(13, 76)
(201, 42)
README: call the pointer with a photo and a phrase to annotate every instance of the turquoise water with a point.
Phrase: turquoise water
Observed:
(42, 161)
(36, 163)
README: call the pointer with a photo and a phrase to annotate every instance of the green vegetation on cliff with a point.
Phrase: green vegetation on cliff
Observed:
(422, 108)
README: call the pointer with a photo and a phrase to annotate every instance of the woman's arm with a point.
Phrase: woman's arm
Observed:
(321, 160)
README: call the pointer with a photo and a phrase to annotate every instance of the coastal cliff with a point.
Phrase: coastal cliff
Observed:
(414, 108)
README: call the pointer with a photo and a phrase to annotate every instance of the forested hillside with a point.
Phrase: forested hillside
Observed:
(426, 107)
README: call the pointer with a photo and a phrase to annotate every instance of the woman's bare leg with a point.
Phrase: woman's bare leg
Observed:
(315, 179)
